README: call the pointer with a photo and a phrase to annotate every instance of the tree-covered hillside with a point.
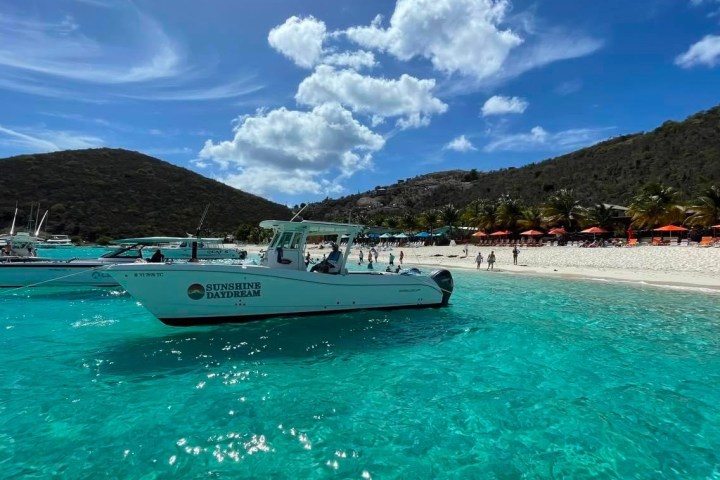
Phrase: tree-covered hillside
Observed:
(684, 155)
(119, 193)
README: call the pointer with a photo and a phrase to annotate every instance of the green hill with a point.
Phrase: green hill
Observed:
(119, 193)
(685, 155)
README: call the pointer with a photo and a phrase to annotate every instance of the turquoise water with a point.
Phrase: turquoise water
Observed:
(520, 378)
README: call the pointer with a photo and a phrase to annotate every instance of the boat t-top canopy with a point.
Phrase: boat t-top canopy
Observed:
(313, 228)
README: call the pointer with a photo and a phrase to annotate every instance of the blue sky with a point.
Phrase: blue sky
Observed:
(296, 101)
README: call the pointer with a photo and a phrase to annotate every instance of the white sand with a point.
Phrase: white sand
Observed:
(662, 265)
(687, 266)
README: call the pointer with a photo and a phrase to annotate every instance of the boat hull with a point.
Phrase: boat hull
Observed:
(175, 294)
(54, 274)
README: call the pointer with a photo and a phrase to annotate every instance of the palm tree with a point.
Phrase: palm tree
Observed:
(392, 222)
(655, 204)
(531, 219)
(487, 215)
(409, 221)
(450, 216)
(601, 216)
(471, 214)
(509, 211)
(561, 208)
(706, 208)
(430, 218)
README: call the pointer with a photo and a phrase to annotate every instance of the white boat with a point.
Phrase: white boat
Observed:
(180, 248)
(56, 241)
(18, 244)
(196, 294)
(44, 272)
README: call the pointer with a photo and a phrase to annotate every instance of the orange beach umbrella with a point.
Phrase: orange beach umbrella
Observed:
(671, 228)
(479, 234)
(500, 233)
(558, 231)
(532, 232)
(594, 230)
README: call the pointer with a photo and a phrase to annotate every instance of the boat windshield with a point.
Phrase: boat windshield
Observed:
(133, 251)
(288, 240)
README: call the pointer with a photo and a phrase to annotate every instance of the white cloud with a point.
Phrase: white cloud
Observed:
(231, 89)
(33, 140)
(286, 150)
(461, 36)
(460, 144)
(299, 39)
(406, 97)
(540, 139)
(355, 60)
(499, 105)
(61, 49)
(705, 52)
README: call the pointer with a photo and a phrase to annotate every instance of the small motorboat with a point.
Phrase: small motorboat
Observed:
(17, 271)
(282, 284)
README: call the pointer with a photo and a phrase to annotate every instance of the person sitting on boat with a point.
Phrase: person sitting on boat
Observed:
(157, 257)
(329, 264)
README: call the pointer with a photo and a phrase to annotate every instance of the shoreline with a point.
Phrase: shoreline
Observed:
(677, 267)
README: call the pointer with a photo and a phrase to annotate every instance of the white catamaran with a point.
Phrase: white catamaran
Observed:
(196, 294)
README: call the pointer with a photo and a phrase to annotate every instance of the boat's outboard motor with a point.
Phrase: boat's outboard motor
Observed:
(444, 280)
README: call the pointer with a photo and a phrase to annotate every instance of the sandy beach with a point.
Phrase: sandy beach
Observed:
(679, 266)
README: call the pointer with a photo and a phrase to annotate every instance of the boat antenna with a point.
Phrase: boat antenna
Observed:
(299, 212)
(12, 228)
(39, 225)
(202, 219)
(37, 215)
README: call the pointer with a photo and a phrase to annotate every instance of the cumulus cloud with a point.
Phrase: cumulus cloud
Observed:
(299, 39)
(355, 60)
(705, 52)
(293, 151)
(407, 97)
(540, 139)
(461, 36)
(460, 144)
(499, 105)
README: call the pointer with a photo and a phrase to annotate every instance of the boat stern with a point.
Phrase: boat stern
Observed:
(443, 278)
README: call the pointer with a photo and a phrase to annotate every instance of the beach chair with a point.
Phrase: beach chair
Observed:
(706, 241)
(632, 242)
(657, 241)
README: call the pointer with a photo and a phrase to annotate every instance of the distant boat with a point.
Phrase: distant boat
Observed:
(283, 284)
(180, 248)
(56, 241)
(45, 272)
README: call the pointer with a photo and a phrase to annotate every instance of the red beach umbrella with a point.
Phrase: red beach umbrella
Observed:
(558, 231)
(532, 232)
(594, 230)
(500, 233)
(671, 228)
(479, 234)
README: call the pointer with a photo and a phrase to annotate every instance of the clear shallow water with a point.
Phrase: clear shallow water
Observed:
(520, 378)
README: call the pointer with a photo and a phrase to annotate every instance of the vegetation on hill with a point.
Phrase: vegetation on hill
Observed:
(119, 193)
(683, 156)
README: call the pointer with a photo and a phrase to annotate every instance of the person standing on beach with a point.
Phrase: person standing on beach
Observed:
(491, 261)
(360, 256)
(392, 259)
(479, 260)
(402, 255)
(516, 251)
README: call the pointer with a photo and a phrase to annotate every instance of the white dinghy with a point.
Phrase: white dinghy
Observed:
(282, 285)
